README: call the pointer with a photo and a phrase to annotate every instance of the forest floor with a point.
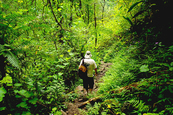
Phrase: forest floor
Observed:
(83, 99)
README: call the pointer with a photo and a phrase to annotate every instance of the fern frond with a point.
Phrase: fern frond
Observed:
(9, 55)
(140, 105)
(12, 59)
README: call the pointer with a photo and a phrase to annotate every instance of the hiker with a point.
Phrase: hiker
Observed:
(88, 81)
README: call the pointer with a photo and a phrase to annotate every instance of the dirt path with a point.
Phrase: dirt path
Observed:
(72, 108)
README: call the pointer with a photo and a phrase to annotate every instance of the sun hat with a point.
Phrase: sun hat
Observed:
(88, 55)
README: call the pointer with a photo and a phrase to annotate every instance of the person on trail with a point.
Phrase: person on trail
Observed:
(88, 82)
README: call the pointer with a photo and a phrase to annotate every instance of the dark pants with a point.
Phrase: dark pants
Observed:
(88, 83)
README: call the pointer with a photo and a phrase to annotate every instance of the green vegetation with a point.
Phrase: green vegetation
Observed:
(43, 41)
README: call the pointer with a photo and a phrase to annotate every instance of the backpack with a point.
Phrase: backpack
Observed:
(82, 70)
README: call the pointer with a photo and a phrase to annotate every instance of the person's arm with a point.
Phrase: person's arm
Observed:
(95, 66)
(80, 63)
(95, 71)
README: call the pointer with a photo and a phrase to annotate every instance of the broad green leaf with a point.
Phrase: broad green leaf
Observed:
(7, 79)
(170, 68)
(137, 14)
(2, 108)
(22, 104)
(164, 64)
(28, 94)
(170, 48)
(170, 88)
(131, 7)
(151, 114)
(60, 66)
(130, 22)
(12, 59)
(103, 113)
(60, 74)
(2, 93)
(22, 92)
(33, 101)
(55, 76)
(23, 10)
(66, 64)
(144, 68)
(26, 113)
(17, 84)
(50, 76)
(30, 83)
(18, 96)
(160, 96)
(72, 54)
(171, 64)
(25, 93)
(54, 109)
(16, 91)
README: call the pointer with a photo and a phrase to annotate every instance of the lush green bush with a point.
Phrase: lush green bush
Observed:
(41, 45)
(141, 82)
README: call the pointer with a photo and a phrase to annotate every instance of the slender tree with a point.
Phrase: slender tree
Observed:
(95, 21)
(103, 9)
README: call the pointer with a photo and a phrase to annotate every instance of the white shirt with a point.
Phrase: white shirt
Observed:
(91, 65)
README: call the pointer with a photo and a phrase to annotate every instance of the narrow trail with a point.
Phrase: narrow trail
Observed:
(80, 102)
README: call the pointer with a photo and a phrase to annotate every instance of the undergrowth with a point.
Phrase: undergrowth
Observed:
(137, 83)
(140, 80)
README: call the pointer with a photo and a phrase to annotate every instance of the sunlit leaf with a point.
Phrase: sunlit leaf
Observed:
(60, 74)
(144, 68)
(66, 64)
(54, 109)
(130, 22)
(17, 84)
(60, 66)
(131, 7)
(7, 80)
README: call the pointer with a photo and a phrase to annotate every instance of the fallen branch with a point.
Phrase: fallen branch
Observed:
(63, 113)
(89, 101)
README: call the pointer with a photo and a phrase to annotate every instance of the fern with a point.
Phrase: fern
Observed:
(140, 105)
(9, 55)
(135, 4)
(12, 59)
(128, 19)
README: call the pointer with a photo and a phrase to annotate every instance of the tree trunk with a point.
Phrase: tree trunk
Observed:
(58, 23)
(71, 13)
(2, 58)
(103, 9)
(2, 67)
(95, 20)
(56, 20)
(88, 13)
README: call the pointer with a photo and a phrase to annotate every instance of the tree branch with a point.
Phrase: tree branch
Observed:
(54, 14)
(43, 8)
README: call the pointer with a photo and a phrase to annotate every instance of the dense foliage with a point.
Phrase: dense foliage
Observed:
(140, 80)
(42, 42)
